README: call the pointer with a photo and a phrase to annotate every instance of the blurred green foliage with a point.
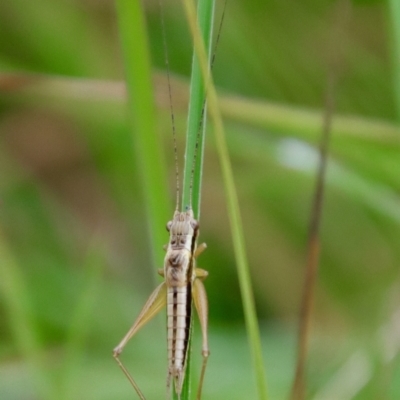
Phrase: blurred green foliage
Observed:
(75, 259)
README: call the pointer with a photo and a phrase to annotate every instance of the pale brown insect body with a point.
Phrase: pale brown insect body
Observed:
(181, 279)
(182, 285)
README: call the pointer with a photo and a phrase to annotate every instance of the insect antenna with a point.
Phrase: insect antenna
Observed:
(198, 135)
(177, 194)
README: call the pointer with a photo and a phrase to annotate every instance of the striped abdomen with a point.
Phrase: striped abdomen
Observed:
(179, 303)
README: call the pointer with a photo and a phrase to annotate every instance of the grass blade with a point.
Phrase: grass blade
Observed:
(233, 206)
(394, 15)
(141, 107)
(14, 293)
(195, 134)
(79, 327)
(195, 138)
(142, 117)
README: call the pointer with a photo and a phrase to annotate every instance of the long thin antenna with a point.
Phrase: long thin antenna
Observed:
(203, 109)
(171, 106)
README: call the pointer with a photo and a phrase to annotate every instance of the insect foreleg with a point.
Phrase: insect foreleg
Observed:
(154, 304)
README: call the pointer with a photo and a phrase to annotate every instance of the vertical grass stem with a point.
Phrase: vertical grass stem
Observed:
(232, 203)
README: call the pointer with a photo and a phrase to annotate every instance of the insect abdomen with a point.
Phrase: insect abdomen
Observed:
(178, 314)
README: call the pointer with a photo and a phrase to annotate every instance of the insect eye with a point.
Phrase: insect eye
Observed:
(182, 241)
(169, 224)
(173, 242)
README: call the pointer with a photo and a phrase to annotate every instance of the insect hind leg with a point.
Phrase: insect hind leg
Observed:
(201, 304)
(116, 354)
(154, 304)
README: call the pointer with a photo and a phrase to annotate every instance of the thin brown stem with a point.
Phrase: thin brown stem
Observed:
(313, 246)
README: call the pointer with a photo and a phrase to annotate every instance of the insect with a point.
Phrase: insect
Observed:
(182, 284)
(182, 287)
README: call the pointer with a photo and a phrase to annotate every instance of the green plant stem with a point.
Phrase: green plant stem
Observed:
(233, 206)
(195, 134)
(195, 138)
(142, 117)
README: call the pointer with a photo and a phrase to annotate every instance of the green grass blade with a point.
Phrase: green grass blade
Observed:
(233, 207)
(394, 14)
(80, 325)
(17, 303)
(142, 114)
(142, 117)
(197, 113)
(195, 137)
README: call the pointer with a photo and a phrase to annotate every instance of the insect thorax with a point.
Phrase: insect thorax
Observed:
(183, 231)
(178, 264)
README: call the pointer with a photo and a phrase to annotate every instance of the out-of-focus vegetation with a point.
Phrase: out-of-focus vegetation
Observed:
(75, 254)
